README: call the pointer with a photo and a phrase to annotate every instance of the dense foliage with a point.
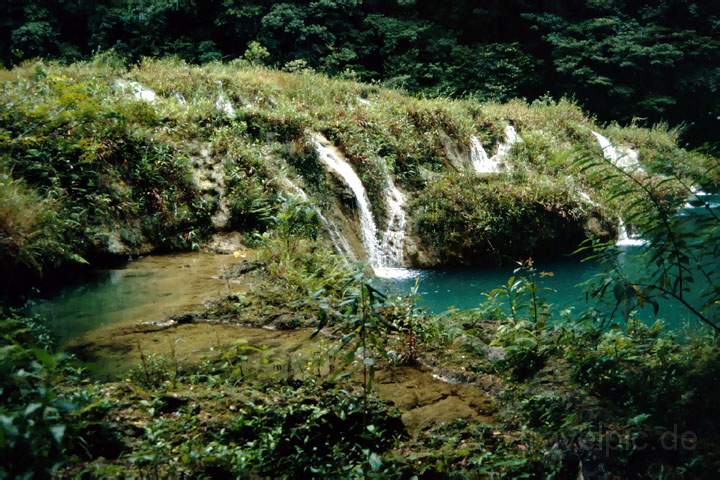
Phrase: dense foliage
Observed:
(97, 159)
(623, 60)
(471, 221)
(567, 400)
(100, 160)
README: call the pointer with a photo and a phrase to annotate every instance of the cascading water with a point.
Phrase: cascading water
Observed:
(698, 199)
(139, 92)
(392, 248)
(627, 159)
(479, 159)
(336, 162)
(622, 157)
(625, 240)
(224, 105)
(386, 257)
(503, 150)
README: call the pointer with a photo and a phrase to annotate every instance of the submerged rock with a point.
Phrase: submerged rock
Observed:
(241, 268)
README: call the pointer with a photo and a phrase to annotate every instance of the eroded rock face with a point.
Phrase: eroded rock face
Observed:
(456, 153)
(111, 243)
(417, 255)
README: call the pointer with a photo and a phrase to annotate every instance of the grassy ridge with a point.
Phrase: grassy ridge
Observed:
(115, 174)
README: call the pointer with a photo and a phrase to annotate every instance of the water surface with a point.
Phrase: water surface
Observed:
(146, 290)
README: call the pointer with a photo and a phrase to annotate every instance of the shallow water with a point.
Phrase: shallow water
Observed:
(440, 290)
(146, 290)
(153, 288)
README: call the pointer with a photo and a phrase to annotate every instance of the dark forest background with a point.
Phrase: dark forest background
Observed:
(625, 61)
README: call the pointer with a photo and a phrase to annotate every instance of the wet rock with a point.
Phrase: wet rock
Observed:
(115, 245)
(285, 321)
(457, 155)
(418, 255)
(241, 268)
(185, 318)
(453, 377)
(426, 401)
(171, 321)
(444, 411)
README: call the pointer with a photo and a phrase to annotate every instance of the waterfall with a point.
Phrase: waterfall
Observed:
(224, 105)
(339, 241)
(503, 150)
(697, 192)
(625, 240)
(695, 198)
(336, 162)
(622, 157)
(139, 92)
(479, 159)
(481, 163)
(392, 248)
(386, 257)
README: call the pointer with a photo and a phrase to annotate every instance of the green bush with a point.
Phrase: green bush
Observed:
(465, 219)
(34, 417)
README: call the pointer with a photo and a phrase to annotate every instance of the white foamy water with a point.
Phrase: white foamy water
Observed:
(392, 248)
(623, 157)
(505, 147)
(138, 91)
(336, 162)
(479, 158)
(386, 257)
(224, 105)
(396, 273)
(625, 240)
(696, 197)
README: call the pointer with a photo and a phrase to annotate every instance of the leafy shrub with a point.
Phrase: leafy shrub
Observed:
(34, 418)
(524, 349)
(153, 371)
(312, 431)
(650, 372)
(465, 219)
(30, 229)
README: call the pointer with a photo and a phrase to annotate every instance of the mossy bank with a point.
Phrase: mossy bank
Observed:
(99, 161)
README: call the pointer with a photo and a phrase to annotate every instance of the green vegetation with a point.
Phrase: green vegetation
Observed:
(471, 221)
(622, 60)
(322, 373)
(565, 400)
(121, 174)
